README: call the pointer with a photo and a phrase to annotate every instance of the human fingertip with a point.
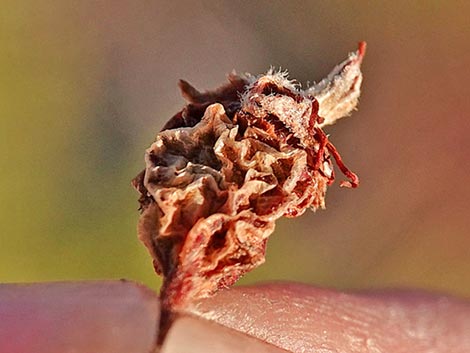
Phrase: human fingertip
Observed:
(190, 334)
(98, 316)
(302, 318)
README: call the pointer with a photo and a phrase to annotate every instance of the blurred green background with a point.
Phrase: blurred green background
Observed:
(85, 85)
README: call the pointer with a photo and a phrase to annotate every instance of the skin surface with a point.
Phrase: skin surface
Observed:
(301, 318)
(123, 316)
(107, 316)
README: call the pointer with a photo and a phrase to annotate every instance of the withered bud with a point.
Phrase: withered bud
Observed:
(229, 164)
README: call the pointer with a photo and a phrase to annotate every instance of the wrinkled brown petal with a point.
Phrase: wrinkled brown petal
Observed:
(228, 165)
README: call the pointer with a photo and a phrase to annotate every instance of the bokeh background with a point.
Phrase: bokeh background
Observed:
(85, 85)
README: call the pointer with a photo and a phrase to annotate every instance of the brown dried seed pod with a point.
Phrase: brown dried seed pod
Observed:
(229, 164)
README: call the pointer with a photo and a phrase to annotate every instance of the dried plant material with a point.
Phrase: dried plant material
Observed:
(228, 165)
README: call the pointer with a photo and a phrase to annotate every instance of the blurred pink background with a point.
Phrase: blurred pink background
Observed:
(86, 85)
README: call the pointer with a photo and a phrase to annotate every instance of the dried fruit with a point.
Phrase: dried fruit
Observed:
(229, 164)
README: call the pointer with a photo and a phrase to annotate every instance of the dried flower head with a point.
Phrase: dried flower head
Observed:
(229, 164)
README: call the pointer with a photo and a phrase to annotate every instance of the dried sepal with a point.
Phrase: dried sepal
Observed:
(228, 165)
(338, 93)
